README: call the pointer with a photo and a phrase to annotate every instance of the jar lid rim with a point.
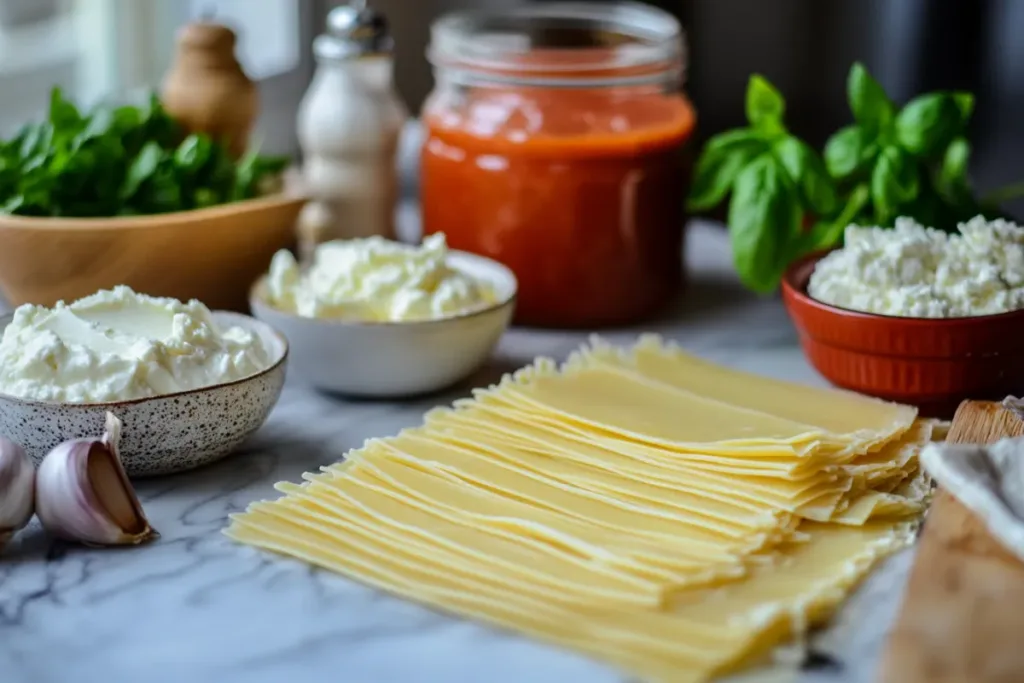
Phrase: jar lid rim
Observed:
(486, 37)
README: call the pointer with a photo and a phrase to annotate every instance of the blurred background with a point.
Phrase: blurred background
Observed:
(96, 49)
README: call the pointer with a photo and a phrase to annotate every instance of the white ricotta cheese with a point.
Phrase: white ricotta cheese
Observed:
(117, 345)
(919, 272)
(375, 279)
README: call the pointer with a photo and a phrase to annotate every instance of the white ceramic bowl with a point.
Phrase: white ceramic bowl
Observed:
(395, 359)
(161, 434)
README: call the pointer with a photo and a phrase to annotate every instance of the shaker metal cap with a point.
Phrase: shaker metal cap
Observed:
(353, 31)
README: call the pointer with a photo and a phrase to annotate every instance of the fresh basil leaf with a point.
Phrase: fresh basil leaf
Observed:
(927, 123)
(827, 234)
(13, 204)
(855, 203)
(848, 152)
(271, 165)
(141, 169)
(731, 139)
(807, 172)
(764, 217)
(221, 173)
(871, 107)
(38, 148)
(64, 115)
(8, 175)
(245, 176)
(98, 125)
(895, 181)
(954, 162)
(164, 193)
(965, 104)
(267, 176)
(722, 158)
(157, 125)
(205, 197)
(14, 145)
(952, 184)
(821, 236)
(193, 153)
(928, 208)
(252, 173)
(129, 127)
(765, 106)
(126, 118)
(35, 140)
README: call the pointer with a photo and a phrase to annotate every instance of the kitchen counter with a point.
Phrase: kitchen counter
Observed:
(194, 606)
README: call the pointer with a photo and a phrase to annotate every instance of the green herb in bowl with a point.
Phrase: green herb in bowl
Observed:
(786, 199)
(122, 161)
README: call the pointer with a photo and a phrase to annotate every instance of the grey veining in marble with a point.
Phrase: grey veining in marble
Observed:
(196, 607)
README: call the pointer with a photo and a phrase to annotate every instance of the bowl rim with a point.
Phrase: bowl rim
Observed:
(796, 291)
(142, 222)
(6, 318)
(257, 299)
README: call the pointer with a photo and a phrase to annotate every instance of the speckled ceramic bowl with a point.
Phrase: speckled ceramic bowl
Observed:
(163, 434)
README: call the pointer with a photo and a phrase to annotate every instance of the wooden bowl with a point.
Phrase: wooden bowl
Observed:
(928, 362)
(209, 254)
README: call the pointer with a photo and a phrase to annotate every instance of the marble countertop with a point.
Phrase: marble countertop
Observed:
(196, 607)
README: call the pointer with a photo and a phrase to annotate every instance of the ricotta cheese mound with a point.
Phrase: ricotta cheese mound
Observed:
(375, 280)
(918, 272)
(118, 345)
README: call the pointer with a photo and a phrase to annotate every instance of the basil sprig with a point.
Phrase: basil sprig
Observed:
(787, 200)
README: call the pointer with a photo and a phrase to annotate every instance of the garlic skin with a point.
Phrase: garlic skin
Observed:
(83, 493)
(17, 489)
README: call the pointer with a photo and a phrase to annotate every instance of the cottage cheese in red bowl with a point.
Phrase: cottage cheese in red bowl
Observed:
(915, 315)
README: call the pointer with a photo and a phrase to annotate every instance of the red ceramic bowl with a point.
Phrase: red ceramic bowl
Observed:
(931, 363)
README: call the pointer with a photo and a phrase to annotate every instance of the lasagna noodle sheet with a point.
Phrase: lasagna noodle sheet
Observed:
(671, 560)
(521, 561)
(495, 459)
(388, 567)
(635, 463)
(517, 421)
(865, 422)
(594, 397)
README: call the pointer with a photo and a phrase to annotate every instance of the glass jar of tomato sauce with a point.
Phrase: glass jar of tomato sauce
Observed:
(554, 144)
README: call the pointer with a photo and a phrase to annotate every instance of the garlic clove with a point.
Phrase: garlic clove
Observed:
(17, 489)
(83, 493)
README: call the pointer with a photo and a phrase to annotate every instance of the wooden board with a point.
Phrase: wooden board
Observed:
(962, 619)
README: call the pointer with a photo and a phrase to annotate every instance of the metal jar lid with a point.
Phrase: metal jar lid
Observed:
(560, 43)
(353, 31)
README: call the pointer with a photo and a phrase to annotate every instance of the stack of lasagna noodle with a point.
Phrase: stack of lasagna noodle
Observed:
(672, 517)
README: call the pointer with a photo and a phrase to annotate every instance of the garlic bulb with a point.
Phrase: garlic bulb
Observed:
(83, 493)
(17, 490)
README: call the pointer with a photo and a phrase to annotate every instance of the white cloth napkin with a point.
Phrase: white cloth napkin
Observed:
(988, 480)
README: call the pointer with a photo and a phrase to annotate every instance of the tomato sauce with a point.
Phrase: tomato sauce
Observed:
(579, 191)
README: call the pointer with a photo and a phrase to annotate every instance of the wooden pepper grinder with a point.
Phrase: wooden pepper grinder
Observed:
(206, 90)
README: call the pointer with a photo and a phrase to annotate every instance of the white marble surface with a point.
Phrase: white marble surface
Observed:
(196, 607)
